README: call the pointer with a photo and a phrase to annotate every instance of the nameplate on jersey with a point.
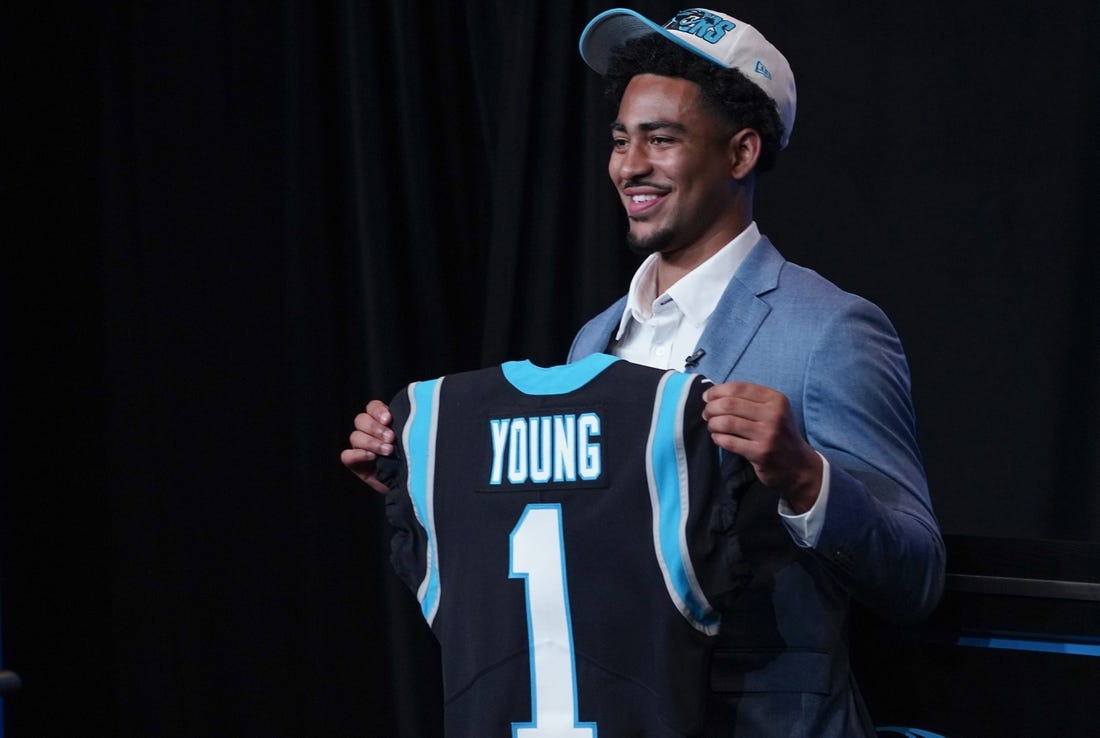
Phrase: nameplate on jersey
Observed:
(552, 451)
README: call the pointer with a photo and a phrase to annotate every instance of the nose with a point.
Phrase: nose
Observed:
(630, 162)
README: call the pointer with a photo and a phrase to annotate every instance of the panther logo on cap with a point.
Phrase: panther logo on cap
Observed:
(702, 24)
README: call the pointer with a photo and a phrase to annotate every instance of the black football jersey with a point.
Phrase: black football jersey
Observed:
(568, 532)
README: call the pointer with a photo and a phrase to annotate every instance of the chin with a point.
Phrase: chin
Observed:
(659, 241)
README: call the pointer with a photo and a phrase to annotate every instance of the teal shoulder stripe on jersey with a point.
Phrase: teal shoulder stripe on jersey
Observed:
(668, 478)
(558, 380)
(419, 442)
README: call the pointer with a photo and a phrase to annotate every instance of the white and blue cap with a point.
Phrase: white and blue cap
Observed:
(715, 36)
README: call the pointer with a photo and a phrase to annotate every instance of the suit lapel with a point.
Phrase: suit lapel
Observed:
(739, 312)
(596, 336)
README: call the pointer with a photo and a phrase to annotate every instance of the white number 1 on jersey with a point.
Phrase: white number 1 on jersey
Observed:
(537, 555)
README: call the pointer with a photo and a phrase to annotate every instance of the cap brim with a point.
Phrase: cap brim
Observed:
(615, 27)
(610, 29)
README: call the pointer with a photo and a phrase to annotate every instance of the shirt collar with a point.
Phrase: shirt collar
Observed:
(697, 292)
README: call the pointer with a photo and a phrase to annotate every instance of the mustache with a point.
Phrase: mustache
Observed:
(642, 182)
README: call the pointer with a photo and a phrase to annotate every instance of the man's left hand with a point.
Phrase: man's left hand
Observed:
(757, 423)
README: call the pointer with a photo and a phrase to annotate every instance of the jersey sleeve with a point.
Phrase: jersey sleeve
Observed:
(718, 480)
(408, 540)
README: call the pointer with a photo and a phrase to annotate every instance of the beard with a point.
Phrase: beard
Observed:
(656, 242)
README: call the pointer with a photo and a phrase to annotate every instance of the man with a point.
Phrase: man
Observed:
(812, 385)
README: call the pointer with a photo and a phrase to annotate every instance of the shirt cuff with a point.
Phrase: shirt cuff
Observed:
(805, 529)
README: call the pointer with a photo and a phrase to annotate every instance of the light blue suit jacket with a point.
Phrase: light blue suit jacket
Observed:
(783, 665)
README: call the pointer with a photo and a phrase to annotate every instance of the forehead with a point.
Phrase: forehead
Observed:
(652, 98)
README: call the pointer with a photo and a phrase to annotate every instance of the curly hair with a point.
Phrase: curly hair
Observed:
(726, 92)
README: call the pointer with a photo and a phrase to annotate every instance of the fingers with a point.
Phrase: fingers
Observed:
(735, 414)
(736, 445)
(739, 430)
(736, 405)
(379, 411)
(743, 390)
(372, 432)
(356, 458)
(361, 464)
(371, 438)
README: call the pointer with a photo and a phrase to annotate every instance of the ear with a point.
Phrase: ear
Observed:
(743, 151)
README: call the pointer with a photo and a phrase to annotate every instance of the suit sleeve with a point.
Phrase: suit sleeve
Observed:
(880, 535)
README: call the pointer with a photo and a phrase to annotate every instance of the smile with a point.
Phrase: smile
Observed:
(641, 203)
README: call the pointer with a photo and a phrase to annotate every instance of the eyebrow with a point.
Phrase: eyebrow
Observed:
(650, 126)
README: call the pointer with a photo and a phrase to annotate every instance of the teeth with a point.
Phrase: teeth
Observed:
(643, 198)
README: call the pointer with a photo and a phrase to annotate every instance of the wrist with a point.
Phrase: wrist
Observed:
(803, 493)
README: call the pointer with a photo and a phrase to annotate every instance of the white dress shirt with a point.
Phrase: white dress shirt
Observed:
(663, 330)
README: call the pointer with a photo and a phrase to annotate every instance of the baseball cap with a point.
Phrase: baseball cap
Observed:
(715, 36)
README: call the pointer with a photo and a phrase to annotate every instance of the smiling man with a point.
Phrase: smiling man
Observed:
(811, 383)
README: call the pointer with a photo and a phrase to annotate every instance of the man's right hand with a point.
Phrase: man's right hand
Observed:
(371, 438)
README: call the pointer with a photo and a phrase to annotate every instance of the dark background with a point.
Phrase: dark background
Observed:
(229, 225)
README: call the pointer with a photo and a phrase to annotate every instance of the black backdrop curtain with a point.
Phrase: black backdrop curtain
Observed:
(232, 224)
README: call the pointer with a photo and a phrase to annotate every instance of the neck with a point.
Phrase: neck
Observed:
(674, 265)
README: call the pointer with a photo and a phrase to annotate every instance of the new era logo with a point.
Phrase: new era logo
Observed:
(762, 70)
